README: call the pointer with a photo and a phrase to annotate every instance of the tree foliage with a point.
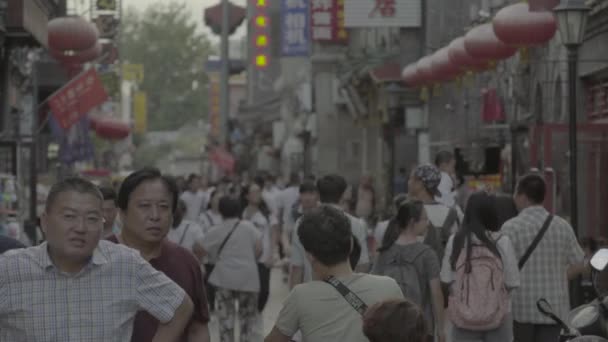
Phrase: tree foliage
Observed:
(164, 38)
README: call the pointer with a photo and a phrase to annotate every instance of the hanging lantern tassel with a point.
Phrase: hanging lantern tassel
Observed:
(437, 90)
(524, 55)
(424, 94)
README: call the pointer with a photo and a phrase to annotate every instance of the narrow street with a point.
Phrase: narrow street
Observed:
(278, 292)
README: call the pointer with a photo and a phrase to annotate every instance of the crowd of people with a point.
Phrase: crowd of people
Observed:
(157, 257)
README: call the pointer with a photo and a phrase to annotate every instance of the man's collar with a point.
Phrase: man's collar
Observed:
(45, 261)
(533, 208)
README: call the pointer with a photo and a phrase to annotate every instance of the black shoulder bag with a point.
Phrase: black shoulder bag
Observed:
(210, 267)
(355, 301)
(536, 241)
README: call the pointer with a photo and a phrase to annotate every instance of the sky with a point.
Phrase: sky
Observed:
(196, 8)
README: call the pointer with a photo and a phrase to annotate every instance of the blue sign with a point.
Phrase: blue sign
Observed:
(75, 144)
(295, 28)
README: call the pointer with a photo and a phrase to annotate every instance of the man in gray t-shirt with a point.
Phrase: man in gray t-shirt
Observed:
(331, 188)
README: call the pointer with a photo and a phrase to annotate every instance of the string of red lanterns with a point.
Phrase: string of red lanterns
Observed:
(514, 26)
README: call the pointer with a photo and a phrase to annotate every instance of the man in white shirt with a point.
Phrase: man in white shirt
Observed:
(194, 198)
(330, 188)
(446, 163)
(286, 201)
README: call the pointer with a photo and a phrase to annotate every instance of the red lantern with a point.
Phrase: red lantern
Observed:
(442, 66)
(410, 75)
(109, 128)
(516, 25)
(460, 58)
(77, 57)
(481, 43)
(425, 71)
(542, 5)
(71, 33)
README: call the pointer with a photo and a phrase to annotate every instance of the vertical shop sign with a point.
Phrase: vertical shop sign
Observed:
(214, 104)
(327, 21)
(295, 28)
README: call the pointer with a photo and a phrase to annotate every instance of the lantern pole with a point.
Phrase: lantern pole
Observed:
(224, 90)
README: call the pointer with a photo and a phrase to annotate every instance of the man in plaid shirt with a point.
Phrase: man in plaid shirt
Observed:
(545, 274)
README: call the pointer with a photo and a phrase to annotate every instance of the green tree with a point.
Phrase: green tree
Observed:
(164, 38)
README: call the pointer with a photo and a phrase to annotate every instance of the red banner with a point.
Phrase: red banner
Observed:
(77, 98)
(327, 24)
(223, 159)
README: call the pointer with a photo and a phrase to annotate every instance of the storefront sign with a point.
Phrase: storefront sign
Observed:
(75, 143)
(382, 13)
(77, 98)
(107, 5)
(140, 112)
(295, 28)
(327, 21)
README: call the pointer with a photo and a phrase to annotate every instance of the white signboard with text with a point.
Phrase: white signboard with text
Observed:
(382, 13)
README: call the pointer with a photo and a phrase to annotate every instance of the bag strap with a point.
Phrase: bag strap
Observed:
(355, 301)
(227, 237)
(184, 234)
(536, 241)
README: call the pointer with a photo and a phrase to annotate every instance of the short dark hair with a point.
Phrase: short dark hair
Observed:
(307, 187)
(191, 178)
(76, 184)
(331, 188)
(394, 320)
(294, 178)
(326, 234)
(230, 207)
(443, 157)
(108, 193)
(146, 174)
(533, 187)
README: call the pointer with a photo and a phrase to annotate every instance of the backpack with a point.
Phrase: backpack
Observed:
(405, 273)
(438, 236)
(479, 299)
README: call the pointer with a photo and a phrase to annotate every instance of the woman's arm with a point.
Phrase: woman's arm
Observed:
(438, 311)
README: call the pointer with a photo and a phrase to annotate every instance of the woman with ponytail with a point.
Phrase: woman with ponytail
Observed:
(480, 230)
(414, 265)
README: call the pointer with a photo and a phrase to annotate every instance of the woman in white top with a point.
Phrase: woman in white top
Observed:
(479, 228)
(185, 233)
(256, 210)
(235, 245)
(211, 217)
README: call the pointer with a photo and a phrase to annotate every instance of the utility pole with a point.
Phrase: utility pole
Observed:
(224, 90)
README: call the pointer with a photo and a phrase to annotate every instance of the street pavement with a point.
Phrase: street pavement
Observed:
(278, 292)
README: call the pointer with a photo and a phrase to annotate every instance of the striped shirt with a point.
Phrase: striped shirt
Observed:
(39, 303)
(544, 274)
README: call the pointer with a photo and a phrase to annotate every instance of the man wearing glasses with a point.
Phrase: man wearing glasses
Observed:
(75, 287)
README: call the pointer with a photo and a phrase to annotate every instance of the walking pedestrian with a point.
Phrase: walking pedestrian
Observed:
(443, 220)
(110, 212)
(330, 308)
(75, 288)
(545, 265)
(476, 248)
(414, 265)
(185, 233)
(209, 219)
(395, 320)
(194, 197)
(256, 211)
(148, 200)
(446, 163)
(331, 188)
(233, 247)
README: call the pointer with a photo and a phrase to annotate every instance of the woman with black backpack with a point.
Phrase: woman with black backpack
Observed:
(480, 268)
(414, 265)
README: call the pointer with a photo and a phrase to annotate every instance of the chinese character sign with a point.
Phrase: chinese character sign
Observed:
(382, 13)
(295, 28)
(77, 98)
(327, 21)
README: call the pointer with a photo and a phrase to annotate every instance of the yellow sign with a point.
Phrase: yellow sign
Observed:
(133, 72)
(107, 5)
(140, 112)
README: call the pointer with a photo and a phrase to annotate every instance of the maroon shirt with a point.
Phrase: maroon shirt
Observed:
(181, 266)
